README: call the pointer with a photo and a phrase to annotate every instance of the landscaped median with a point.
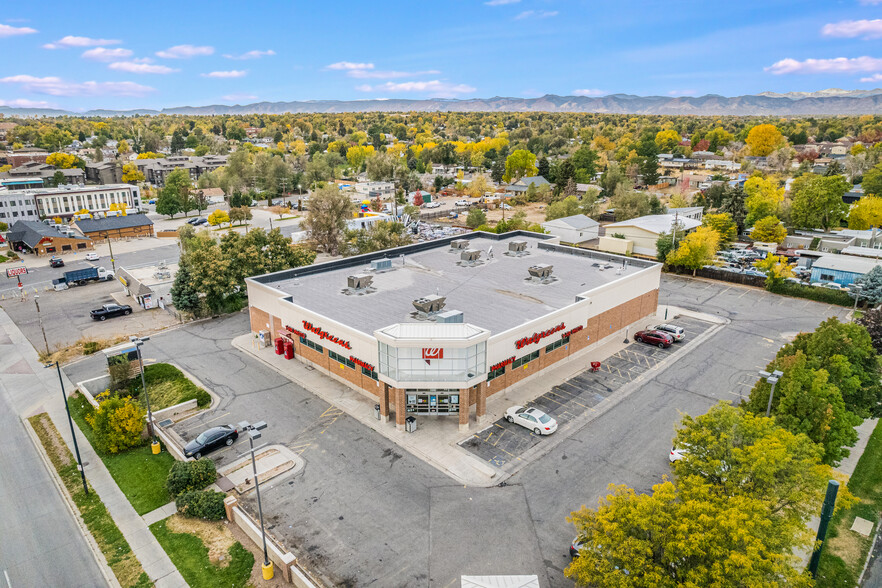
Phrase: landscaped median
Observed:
(110, 540)
(845, 551)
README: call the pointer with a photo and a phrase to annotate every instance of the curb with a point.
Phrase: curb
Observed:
(93, 546)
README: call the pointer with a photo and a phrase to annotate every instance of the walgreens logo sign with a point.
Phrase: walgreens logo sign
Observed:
(536, 337)
(322, 334)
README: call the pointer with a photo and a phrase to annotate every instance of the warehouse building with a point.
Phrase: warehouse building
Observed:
(115, 227)
(436, 328)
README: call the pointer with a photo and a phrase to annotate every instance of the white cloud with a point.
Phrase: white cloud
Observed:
(251, 54)
(54, 86)
(235, 73)
(104, 54)
(348, 65)
(836, 65)
(141, 66)
(9, 31)
(589, 92)
(501, 2)
(866, 29)
(25, 103)
(536, 14)
(185, 52)
(435, 88)
(682, 93)
(73, 41)
(239, 97)
(363, 74)
(872, 78)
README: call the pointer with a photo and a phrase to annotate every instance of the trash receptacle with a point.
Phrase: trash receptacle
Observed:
(377, 411)
(410, 424)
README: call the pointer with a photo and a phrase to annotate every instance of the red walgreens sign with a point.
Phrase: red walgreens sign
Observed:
(322, 334)
(16, 271)
(430, 353)
(536, 337)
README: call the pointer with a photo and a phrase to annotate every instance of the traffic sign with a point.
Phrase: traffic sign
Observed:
(16, 271)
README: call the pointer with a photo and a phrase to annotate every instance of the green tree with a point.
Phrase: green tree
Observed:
(806, 402)
(769, 230)
(378, 237)
(325, 224)
(521, 163)
(210, 271)
(611, 178)
(870, 286)
(697, 249)
(543, 168)
(629, 203)
(763, 198)
(871, 320)
(476, 218)
(723, 224)
(666, 243)
(240, 214)
(872, 181)
(184, 295)
(585, 162)
(817, 201)
(177, 141)
(175, 196)
(187, 476)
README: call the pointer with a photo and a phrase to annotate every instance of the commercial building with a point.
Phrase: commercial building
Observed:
(65, 201)
(436, 328)
(115, 227)
(643, 232)
(16, 205)
(41, 239)
(150, 286)
(842, 269)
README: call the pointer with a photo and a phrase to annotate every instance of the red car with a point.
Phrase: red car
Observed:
(654, 338)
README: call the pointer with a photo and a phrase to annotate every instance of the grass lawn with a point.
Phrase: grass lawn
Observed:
(110, 540)
(191, 556)
(168, 386)
(138, 473)
(845, 551)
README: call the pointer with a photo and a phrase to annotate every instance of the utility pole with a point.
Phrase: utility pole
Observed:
(284, 183)
(40, 317)
(112, 261)
(674, 232)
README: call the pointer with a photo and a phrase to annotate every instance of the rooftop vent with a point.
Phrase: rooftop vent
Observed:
(470, 255)
(359, 281)
(459, 244)
(449, 316)
(429, 305)
(381, 264)
(541, 273)
(517, 246)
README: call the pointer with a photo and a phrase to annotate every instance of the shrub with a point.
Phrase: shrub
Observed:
(117, 423)
(90, 347)
(815, 293)
(190, 475)
(202, 504)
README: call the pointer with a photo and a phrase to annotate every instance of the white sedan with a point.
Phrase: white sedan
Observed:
(91, 256)
(531, 418)
(432, 205)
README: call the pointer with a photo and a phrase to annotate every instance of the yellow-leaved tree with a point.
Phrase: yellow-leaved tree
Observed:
(131, 174)
(478, 186)
(120, 207)
(696, 249)
(122, 147)
(218, 217)
(776, 269)
(117, 424)
(866, 213)
(768, 230)
(63, 160)
(763, 139)
(763, 197)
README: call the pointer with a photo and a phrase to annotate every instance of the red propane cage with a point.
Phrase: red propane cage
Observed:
(289, 350)
(280, 345)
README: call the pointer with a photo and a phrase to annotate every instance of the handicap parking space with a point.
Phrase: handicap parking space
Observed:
(503, 442)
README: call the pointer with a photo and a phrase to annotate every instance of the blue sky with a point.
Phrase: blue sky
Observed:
(162, 54)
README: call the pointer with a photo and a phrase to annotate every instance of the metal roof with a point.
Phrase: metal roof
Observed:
(32, 232)
(113, 223)
(656, 223)
(846, 263)
(577, 221)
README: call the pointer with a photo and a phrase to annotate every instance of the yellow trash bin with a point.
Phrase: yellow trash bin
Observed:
(155, 447)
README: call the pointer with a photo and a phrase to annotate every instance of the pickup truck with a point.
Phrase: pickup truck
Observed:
(83, 276)
(109, 311)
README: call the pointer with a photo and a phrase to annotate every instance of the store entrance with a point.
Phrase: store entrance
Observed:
(432, 401)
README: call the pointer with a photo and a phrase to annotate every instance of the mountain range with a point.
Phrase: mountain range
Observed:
(832, 101)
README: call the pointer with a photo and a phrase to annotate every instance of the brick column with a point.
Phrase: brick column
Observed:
(399, 408)
(481, 403)
(464, 409)
(384, 402)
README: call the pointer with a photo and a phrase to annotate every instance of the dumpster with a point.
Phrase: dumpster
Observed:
(289, 350)
(410, 424)
(280, 345)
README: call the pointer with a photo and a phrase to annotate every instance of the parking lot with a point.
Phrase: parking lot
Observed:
(503, 442)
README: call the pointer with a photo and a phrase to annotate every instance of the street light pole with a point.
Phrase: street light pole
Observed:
(72, 433)
(826, 515)
(857, 296)
(40, 317)
(138, 341)
(254, 433)
(773, 380)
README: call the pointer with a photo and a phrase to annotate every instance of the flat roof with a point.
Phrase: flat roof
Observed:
(846, 263)
(495, 294)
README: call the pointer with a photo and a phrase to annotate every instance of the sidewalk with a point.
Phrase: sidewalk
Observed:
(37, 391)
(436, 438)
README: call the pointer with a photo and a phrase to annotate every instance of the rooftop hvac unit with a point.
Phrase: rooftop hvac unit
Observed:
(459, 244)
(517, 246)
(470, 255)
(381, 264)
(359, 281)
(429, 304)
(449, 316)
(540, 271)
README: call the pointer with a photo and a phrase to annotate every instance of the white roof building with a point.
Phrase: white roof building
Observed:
(573, 229)
(644, 231)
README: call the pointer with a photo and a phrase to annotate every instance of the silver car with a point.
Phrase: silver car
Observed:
(678, 333)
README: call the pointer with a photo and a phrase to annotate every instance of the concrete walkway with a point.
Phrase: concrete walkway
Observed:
(41, 388)
(436, 438)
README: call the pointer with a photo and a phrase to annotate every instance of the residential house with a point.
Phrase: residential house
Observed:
(644, 231)
(573, 229)
(523, 184)
(693, 212)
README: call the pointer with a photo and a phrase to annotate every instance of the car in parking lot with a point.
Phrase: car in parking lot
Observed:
(56, 262)
(576, 547)
(110, 310)
(91, 256)
(654, 338)
(531, 418)
(462, 203)
(678, 333)
(677, 453)
(210, 440)
(828, 285)
(432, 205)
(753, 272)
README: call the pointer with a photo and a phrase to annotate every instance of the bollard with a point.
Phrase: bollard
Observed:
(155, 447)
(267, 571)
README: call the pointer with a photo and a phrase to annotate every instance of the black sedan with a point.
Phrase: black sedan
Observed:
(56, 262)
(208, 441)
(109, 311)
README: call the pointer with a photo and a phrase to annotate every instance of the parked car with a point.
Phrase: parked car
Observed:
(531, 418)
(192, 221)
(654, 338)
(56, 262)
(200, 221)
(677, 453)
(208, 441)
(432, 205)
(828, 285)
(91, 256)
(575, 547)
(109, 311)
(753, 272)
(678, 333)
(505, 206)
(462, 203)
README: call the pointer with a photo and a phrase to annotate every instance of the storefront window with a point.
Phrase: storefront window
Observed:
(408, 364)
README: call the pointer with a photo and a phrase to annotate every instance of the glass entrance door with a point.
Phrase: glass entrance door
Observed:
(432, 401)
